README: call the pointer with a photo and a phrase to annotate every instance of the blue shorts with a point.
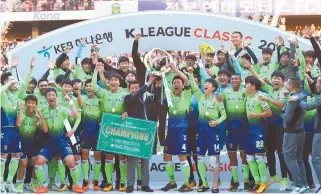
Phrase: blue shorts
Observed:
(29, 150)
(10, 140)
(76, 147)
(208, 140)
(235, 141)
(50, 150)
(255, 144)
(177, 142)
(89, 140)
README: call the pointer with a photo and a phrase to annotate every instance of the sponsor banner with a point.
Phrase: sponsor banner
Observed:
(105, 8)
(47, 15)
(130, 137)
(186, 31)
(237, 7)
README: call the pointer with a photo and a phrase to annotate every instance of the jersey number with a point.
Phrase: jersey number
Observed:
(216, 147)
(184, 147)
(260, 144)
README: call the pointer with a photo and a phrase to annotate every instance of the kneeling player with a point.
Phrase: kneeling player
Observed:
(257, 110)
(58, 142)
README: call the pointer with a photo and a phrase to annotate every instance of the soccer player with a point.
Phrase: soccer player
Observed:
(58, 142)
(91, 116)
(112, 103)
(236, 124)
(86, 69)
(211, 114)
(177, 140)
(276, 98)
(257, 110)
(268, 67)
(27, 122)
(10, 138)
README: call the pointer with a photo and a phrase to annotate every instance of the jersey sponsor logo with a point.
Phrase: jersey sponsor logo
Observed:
(160, 167)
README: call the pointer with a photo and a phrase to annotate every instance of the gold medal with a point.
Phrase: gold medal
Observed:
(174, 112)
(207, 114)
(14, 107)
(237, 107)
(113, 110)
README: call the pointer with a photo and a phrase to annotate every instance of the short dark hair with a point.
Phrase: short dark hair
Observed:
(224, 71)
(237, 74)
(177, 77)
(42, 80)
(60, 79)
(31, 97)
(213, 82)
(191, 57)
(5, 76)
(210, 55)
(76, 80)
(67, 81)
(88, 81)
(295, 82)
(115, 75)
(278, 74)
(309, 53)
(253, 81)
(34, 81)
(51, 90)
(132, 82)
(123, 59)
(267, 51)
(131, 72)
(246, 56)
(85, 60)
(287, 53)
(238, 32)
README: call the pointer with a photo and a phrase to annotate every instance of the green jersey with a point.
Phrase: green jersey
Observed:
(91, 110)
(112, 103)
(9, 107)
(254, 105)
(61, 101)
(55, 121)
(309, 117)
(235, 109)
(81, 74)
(266, 70)
(29, 127)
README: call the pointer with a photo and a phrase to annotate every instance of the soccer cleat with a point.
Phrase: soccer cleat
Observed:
(304, 189)
(77, 189)
(200, 184)
(42, 189)
(109, 187)
(290, 186)
(215, 190)
(19, 188)
(254, 188)
(10, 188)
(96, 185)
(122, 187)
(192, 183)
(139, 185)
(62, 188)
(262, 188)
(169, 186)
(184, 188)
(235, 186)
(246, 187)
(103, 185)
(273, 179)
(202, 189)
(284, 182)
(147, 189)
(296, 190)
(3, 189)
(52, 187)
(85, 185)
(33, 186)
(231, 185)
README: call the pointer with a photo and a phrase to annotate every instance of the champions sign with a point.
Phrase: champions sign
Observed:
(130, 137)
(168, 30)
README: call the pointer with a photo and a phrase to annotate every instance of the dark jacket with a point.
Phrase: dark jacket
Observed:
(316, 103)
(293, 115)
(135, 104)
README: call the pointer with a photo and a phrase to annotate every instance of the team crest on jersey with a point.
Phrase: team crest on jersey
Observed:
(198, 149)
(5, 147)
(260, 135)
(217, 138)
(230, 145)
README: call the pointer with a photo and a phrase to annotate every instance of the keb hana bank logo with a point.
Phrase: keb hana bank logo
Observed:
(45, 51)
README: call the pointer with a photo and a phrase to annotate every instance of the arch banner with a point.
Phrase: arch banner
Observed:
(168, 30)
